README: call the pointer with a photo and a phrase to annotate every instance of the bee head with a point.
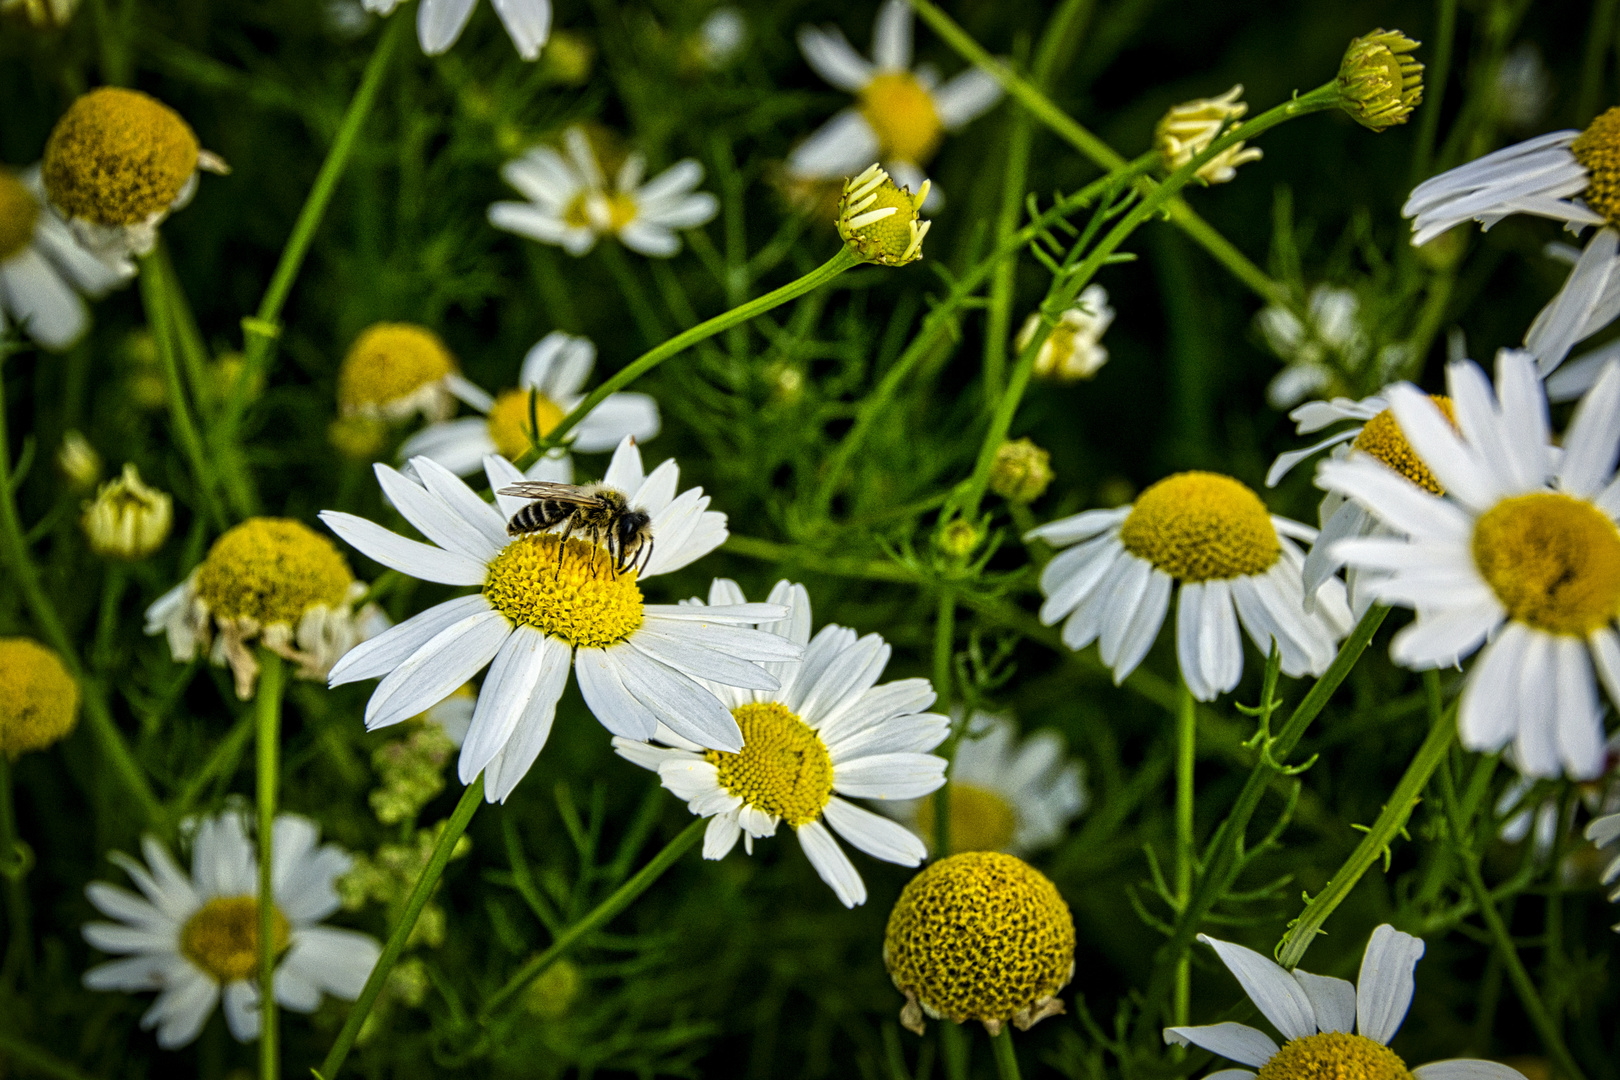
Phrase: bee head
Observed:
(629, 527)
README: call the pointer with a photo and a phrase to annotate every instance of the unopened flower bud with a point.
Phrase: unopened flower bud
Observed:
(127, 519)
(1022, 471)
(880, 221)
(958, 538)
(1379, 82)
(1187, 130)
(551, 993)
(1074, 348)
(78, 461)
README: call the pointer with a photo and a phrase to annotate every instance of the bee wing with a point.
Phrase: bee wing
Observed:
(545, 489)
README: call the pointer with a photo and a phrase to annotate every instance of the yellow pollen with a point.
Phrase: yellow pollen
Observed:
(222, 938)
(902, 114)
(783, 767)
(621, 210)
(1334, 1055)
(981, 820)
(1198, 526)
(509, 425)
(1553, 561)
(980, 936)
(118, 156)
(577, 598)
(389, 362)
(1598, 150)
(39, 701)
(18, 212)
(272, 570)
(891, 239)
(1384, 440)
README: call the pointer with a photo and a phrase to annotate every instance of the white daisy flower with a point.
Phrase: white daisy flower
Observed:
(1603, 832)
(826, 731)
(554, 373)
(1315, 1014)
(901, 116)
(1006, 795)
(544, 606)
(43, 269)
(570, 206)
(196, 940)
(440, 22)
(1521, 551)
(1074, 348)
(1233, 560)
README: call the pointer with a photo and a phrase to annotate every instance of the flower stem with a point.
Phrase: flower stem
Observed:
(267, 710)
(621, 898)
(954, 1049)
(15, 861)
(944, 642)
(1006, 1060)
(1186, 760)
(425, 883)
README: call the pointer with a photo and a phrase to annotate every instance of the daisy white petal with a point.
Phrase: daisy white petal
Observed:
(1466, 1069)
(1238, 1042)
(1385, 986)
(411, 557)
(1334, 1000)
(440, 22)
(831, 864)
(879, 837)
(1273, 991)
(528, 22)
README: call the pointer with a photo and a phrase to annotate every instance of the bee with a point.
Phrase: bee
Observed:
(603, 513)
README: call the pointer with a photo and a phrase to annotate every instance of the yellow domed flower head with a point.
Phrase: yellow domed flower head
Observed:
(1187, 130)
(881, 222)
(127, 519)
(117, 162)
(1379, 81)
(395, 369)
(273, 580)
(1022, 471)
(39, 701)
(980, 936)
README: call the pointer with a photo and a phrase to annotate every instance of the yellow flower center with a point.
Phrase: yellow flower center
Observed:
(510, 428)
(389, 362)
(880, 220)
(981, 820)
(222, 938)
(903, 116)
(1199, 526)
(783, 767)
(18, 212)
(1553, 561)
(980, 936)
(272, 570)
(39, 701)
(1384, 440)
(621, 210)
(118, 156)
(1334, 1055)
(576, 597)
(1598, 150)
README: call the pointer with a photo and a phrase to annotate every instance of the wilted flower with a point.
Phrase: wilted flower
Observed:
(1074, 348)
(127, 519)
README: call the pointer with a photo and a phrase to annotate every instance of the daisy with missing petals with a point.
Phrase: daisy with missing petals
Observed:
(1603, 832)
(1521, 551)
(440, 22)
(43, 268)
(544, 606)
(880, 221)
(1233, 560)
(569, 204)
(1316, 1015)
(826, 731)
(195, 939)
(901, 116)
(549, 387)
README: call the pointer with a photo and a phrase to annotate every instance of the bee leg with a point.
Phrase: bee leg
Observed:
(646, 558)
(563, 543)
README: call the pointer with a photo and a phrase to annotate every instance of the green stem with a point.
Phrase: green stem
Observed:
(17, 1051)
(621, 898)
(442, 849)
(954, 1048)
(15, 860)
(267, 710)
(1599, 40)
(1006, 1060)
(944, 644)
(1186, 760)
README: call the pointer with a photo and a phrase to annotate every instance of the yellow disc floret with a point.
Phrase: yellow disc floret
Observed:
(39, 701)
(981, 819)
(512, 424)
(902, 114)
(980, 936)
(1199, 526)
(576, 597)
(272, 570)
(19, 210)
(1598, 149)
(1334, 1055)
(117, 157)
(783, 767)
(388, 363)
(1379, 81)
(880, 221)
(1383, 439)
(222, 938)
(1553, 561)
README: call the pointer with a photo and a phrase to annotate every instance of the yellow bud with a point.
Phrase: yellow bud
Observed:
(127, 519)
(39, 701)
(553, 991)
(1379, 82)
(880, 221)
(957, 538)
(1022, 471)
(567, 58)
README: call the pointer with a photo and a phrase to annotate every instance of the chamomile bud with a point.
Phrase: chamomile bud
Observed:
(880, 221)
(958, 538)
(1187, 130)
(78, 460)
(1379, 82)
(127, 519)
(39, 701)
(1022, 471)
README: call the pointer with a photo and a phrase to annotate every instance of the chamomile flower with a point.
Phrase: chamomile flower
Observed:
(1521, 552)
(195, 940)
(116, 164)
(1187, 130)
(544, 606)
(1329, 1026)
(1603, 832)
(397, 370)
(827, 731)
(271, 580)
(440, 22)
(39, 701)
(554, 373)
(901, 115)
(569, 204)
(1074, 349)
(1320, 350)
(44, 271)
(1233, 561)
(1006, 794)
